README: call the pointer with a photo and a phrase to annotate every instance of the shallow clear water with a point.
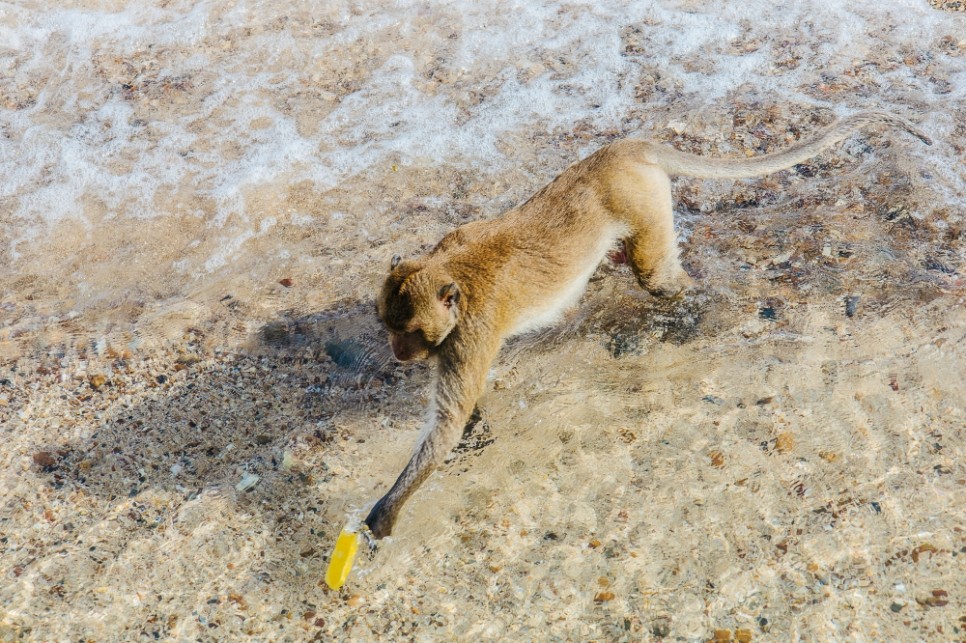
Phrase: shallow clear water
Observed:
(198, 201)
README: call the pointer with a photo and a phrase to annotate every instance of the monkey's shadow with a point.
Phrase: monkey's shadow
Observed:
(309, 373)
(223, 425)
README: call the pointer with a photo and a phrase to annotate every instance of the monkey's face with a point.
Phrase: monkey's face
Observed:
(419, 306)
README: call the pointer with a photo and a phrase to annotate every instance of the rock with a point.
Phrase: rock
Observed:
(937, 598)
(851, 303)
(45, 460)
(248, 482)
(785, 442)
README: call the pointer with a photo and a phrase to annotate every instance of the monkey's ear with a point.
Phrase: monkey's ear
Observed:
(449, 295)
(395, 262)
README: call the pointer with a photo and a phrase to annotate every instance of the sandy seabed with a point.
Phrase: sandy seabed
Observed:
(198, 202)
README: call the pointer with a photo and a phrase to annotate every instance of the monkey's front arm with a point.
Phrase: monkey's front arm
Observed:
(463, 363)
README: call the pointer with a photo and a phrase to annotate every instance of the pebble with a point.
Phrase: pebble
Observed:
(937, 598)
(248, 482)
(785, 442)
(851, 303)
(44, 460)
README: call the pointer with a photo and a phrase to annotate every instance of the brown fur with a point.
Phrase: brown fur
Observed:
(489, 280)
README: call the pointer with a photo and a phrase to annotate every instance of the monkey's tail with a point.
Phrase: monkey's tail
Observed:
(676, 162)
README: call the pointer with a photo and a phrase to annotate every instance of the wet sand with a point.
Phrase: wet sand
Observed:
(193, 400)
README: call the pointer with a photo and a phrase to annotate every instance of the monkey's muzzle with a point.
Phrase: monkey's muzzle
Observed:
(406, 346)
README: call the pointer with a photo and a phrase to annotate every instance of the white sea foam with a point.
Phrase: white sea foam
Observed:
(115, 114)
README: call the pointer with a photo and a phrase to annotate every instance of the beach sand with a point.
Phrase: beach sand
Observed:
(199, 203)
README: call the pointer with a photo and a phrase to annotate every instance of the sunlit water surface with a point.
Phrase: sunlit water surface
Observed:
(199, 200)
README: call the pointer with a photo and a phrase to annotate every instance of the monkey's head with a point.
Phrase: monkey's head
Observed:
(419, 305)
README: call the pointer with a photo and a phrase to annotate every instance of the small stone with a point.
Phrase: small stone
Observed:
(717, 459)
(594, 543)
(45, 460)
(355, 600)
(661, 627)
(851, 303)
(185, 360)
(937, 598)
(248, 482)
(925, 548)
(286, 282)
(288, 461)
(97, 381)
(603, 597)
(896, 607)
(785, 442)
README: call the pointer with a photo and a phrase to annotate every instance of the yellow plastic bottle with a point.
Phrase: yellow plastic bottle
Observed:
(340, 563)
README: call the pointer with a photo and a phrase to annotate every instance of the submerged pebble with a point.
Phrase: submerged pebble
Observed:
(248, 482)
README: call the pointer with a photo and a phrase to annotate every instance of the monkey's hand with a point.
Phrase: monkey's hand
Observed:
(380, 520)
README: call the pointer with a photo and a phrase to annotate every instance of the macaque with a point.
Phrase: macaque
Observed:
(489, 280)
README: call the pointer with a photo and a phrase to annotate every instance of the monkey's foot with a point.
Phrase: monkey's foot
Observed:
(674, 284)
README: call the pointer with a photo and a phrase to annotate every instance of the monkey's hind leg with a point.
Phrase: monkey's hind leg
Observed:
(643, 197)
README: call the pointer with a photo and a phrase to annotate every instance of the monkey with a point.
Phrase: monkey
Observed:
(489, 280)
